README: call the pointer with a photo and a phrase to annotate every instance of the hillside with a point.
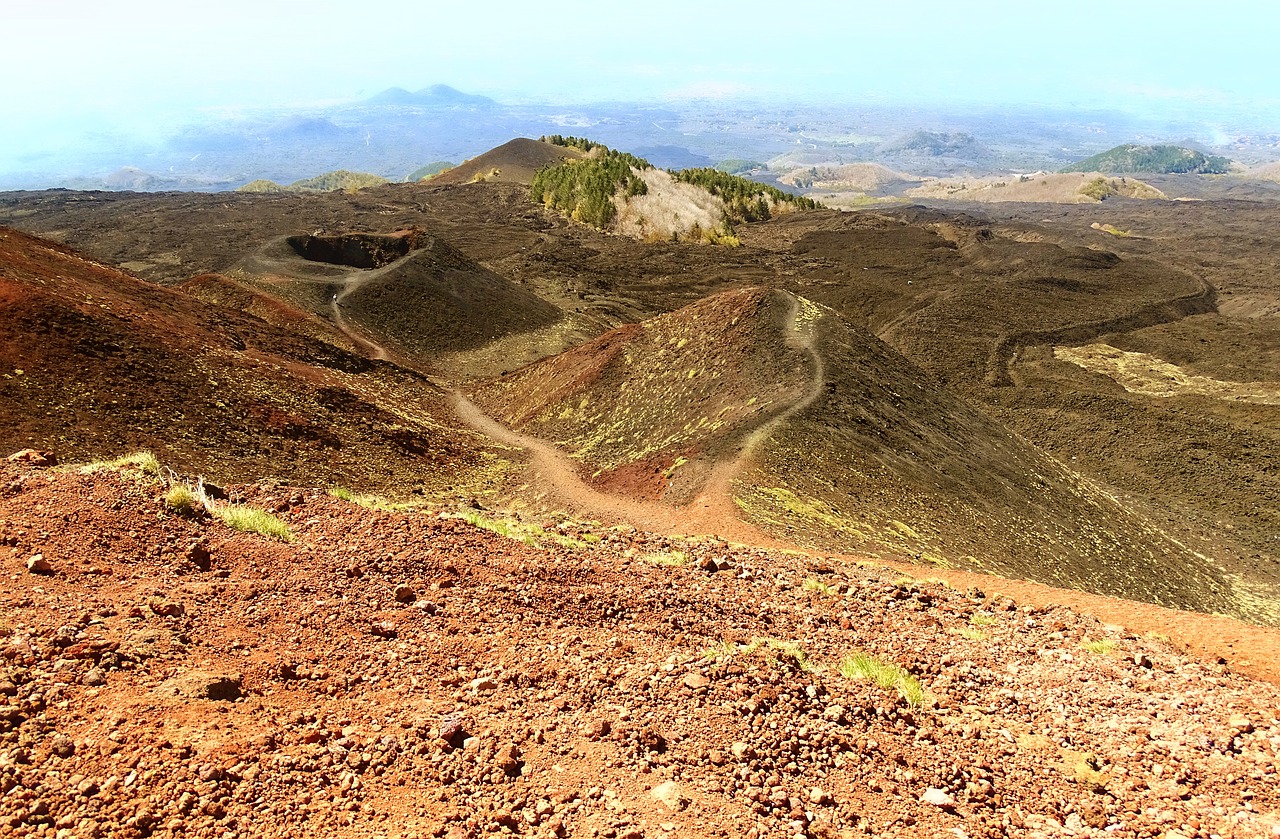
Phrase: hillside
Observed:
(435, 96)
(814, 429)
(513, 162)
(1134, 158)
(407, 673)
(983, 308)
(98, 363)
(1040, 187)
(649, 409)
(618, 192)
(406, 292)
(339, 179)
(847, 177)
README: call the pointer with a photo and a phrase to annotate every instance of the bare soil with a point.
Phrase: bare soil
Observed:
(405, 674)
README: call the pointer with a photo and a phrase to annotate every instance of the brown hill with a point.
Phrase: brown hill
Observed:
(855, 448)
(512, 162)
(648, 409)
(978, 300)
(96, 362)
(406, 292)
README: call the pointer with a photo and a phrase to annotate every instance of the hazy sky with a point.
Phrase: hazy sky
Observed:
(106, 63)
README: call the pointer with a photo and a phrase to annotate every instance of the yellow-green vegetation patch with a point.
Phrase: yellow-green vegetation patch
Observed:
(182, 500)
(781, 507)
(1083, 768)
(884, 674)
(374, 502)
(812, 584)
(971, 633)
(667, 558)
(982, 619)
(143, 462)
(253, 520)
(779, 650)
(775, 651)
(530, 534)
(1103, 646)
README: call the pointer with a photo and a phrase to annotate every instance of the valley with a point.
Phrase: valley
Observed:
(588, 531)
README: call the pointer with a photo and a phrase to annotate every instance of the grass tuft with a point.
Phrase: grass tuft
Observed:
(253, 520)
(1104, 646)
(670, 559)
(811, 584)
(182, 500)
(982, 619)
(144, 462)
(373, 502)
(884, 674)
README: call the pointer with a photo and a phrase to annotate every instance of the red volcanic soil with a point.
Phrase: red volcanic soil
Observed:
(407, 674)
(95, 363)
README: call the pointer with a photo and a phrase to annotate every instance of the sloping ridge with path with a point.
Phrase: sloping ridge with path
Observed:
(705, 503)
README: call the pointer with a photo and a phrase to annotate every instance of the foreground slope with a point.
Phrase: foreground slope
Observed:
(96, 362)
(404, 674)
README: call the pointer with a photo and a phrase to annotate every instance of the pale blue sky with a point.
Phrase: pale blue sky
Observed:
(71, 53)
(109, 61)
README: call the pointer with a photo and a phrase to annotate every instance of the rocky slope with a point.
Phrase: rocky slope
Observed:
(409, 674)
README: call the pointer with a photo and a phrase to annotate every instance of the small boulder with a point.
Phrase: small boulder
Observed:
(508, 759)
(62, 745)
(202, 684)
(404, 593)
(484, 684)
(669, 794)
(34, 457)
(938, 798)
(39, 565)
(166, 608)
(696, 681)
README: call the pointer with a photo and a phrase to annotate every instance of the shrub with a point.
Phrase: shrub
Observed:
(1100, 647)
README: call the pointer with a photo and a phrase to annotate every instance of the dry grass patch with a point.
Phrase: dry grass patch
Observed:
(884, 674)
(253, 520)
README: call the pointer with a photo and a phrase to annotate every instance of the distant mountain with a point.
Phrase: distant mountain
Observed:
(938, 144)
(1164, 160)
(436, 96)
(327, 182)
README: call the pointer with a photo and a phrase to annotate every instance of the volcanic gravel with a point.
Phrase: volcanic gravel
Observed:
(409, 674)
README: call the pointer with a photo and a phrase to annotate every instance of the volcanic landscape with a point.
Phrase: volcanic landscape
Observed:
(917, 521)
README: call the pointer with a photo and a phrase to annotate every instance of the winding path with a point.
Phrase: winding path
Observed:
(713, 511)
